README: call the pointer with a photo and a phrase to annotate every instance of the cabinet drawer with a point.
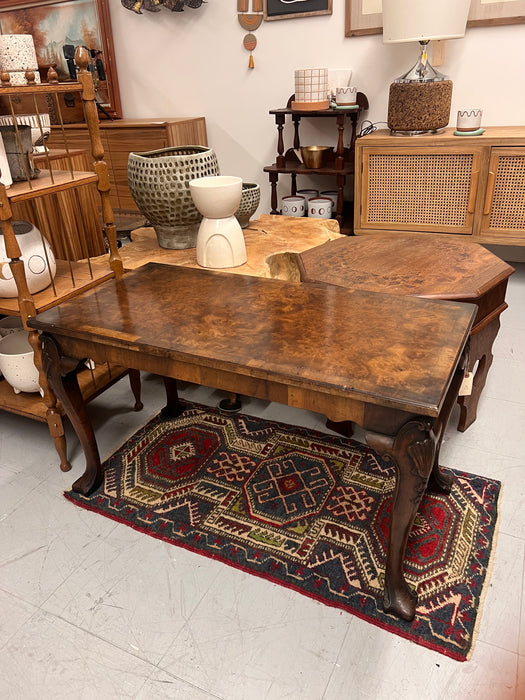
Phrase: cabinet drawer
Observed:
(419, 189)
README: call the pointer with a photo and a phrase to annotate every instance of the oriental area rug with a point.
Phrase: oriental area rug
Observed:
(305, 510)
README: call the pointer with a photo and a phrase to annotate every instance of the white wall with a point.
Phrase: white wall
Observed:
(193, 63)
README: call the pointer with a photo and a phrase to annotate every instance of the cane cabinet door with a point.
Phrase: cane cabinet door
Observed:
(504, 204)
(419, 189)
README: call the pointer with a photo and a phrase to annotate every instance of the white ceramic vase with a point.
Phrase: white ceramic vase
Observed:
(37, 256)
(220, 240)
(17, 362)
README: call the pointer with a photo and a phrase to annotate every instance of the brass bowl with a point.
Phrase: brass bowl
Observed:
(314, 156)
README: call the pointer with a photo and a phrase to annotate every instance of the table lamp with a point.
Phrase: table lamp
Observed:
(419, 101)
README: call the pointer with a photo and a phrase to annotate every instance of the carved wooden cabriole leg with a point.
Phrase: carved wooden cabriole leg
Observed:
(61, 374)
(53, 415)
(441, 481)
(173, 407)
(135, 384)
(415, 453)
(480, 354)
(412, 450)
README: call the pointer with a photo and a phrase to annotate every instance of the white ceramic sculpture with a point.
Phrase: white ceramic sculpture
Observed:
(220, 241)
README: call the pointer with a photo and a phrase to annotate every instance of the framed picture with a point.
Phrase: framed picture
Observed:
(58, 27)
(365, 16)
(290, 9)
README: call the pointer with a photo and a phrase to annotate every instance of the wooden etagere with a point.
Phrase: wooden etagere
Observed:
(43, 196)
(339, 164)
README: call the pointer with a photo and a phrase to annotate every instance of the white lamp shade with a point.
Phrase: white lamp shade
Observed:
(17, 52)
(417, 20)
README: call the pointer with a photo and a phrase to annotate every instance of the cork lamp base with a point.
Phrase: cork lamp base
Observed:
(419, 107)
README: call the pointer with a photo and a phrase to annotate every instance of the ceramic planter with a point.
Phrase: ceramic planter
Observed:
(17, 362)
(159, 183)
(37, 256)
(250, 198)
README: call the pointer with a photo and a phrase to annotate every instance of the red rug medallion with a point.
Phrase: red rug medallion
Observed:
(305, 510)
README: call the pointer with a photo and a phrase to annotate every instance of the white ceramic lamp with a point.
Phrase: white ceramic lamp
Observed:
(420, 99)
(220, 240)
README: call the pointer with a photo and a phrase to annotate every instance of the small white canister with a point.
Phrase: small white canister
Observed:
(293, 205)
(320, 208)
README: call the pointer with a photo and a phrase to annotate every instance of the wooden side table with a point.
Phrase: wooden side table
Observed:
(423, 265)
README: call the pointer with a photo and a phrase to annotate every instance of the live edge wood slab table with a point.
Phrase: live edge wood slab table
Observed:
(391, 364)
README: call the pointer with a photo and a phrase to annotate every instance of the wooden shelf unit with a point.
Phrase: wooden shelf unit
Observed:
(340, 162)
(470, 187)
(72, 276)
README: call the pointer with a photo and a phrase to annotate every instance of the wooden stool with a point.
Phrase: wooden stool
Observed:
(424, 265)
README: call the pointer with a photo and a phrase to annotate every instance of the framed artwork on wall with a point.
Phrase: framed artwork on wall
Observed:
(58, 27)
(365, 16)
(292, 9)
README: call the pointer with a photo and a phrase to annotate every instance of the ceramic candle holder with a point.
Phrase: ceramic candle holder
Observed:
(469, 119)
(346, 96)
(320, 208)
(293, 205)
(311, 89)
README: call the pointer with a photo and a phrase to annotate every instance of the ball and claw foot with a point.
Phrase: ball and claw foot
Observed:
(230, 405)
(401, 603)
(440, 481)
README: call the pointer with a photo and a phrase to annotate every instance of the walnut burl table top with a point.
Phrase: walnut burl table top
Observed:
(376, 348)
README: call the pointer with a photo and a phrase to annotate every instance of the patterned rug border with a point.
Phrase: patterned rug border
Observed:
(78, 500)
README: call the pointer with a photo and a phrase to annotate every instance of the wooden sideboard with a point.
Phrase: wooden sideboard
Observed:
(471, 187)
(121, 136)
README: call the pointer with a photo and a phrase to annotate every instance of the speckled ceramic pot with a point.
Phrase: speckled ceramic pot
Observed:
(250, 198)
(17, 362)
(159, 183)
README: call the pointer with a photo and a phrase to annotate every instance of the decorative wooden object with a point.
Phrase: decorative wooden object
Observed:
(468, 186)
(388, 369)
(272, 244)
(120, 137)
(71, 277)
(340, 164)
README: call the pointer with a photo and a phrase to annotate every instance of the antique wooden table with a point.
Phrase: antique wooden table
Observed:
(424, 265)
(391, 364)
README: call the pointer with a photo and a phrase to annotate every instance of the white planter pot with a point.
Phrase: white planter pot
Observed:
(17, 362)
(38, 258)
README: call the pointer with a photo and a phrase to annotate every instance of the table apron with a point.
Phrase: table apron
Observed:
(317, 399)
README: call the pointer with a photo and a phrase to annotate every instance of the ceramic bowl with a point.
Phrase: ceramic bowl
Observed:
(159, 183)
(216, 197)
(250, 198)
(314, 156)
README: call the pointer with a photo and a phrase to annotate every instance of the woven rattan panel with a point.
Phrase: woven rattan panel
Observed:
(419, 188)
(508, 203)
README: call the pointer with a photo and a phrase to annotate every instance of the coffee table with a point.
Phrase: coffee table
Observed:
(391, 364)
(424, 265)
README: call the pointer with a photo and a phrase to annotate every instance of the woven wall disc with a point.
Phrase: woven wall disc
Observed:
(250, 42)
(249, 21)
